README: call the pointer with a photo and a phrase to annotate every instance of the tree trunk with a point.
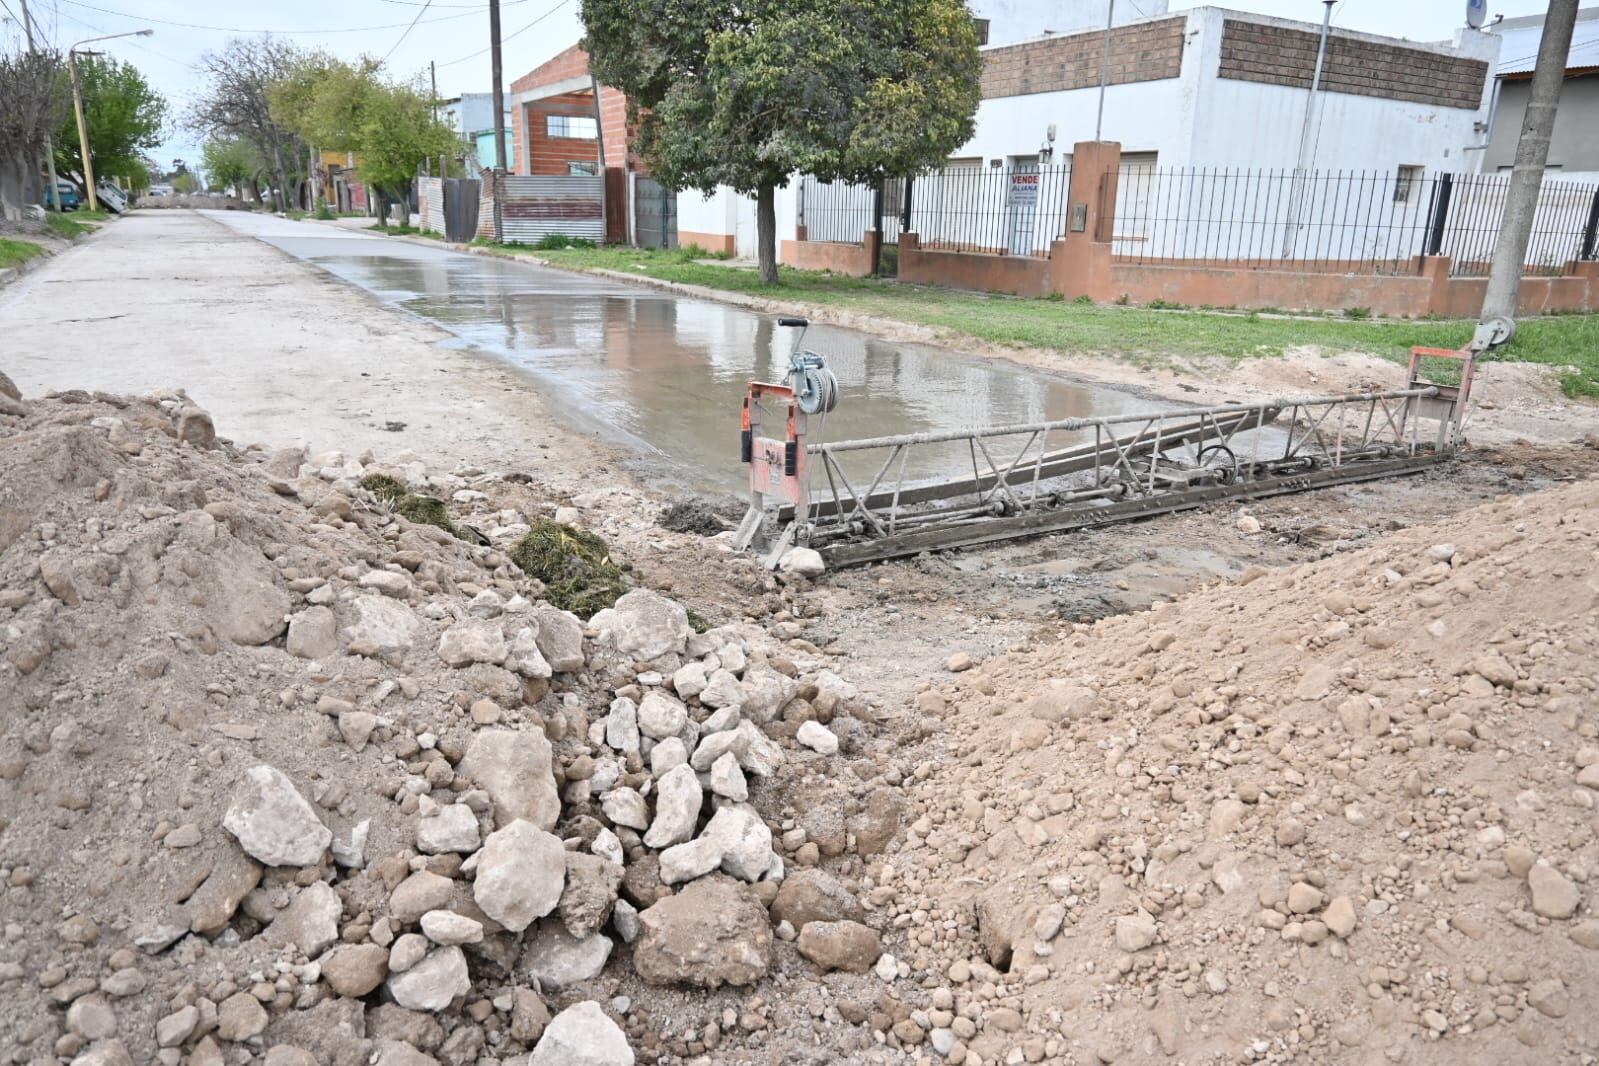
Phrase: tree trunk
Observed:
(766, 231)
(280, 175)
(12, 172)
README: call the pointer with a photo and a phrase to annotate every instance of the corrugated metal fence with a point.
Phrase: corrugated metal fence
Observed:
(430, 193)
(534, 207)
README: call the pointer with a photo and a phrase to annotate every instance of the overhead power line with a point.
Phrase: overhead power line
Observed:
(509, 36)
(408, 30)
(275, 33)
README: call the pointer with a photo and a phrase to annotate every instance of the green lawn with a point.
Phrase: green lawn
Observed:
(13, 253)
(1141, 335)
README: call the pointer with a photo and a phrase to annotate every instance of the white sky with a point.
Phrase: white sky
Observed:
(454, 33)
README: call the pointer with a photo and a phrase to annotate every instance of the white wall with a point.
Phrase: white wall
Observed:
(1250, 124)
(1199, 119)
(727, 213)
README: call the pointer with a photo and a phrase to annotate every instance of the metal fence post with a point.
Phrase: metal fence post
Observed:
(877, 227)
(1438, 217)
(905, 209)
(1591, 230)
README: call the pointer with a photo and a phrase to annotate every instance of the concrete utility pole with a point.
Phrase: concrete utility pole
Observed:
(1532, 152)
(54, 192)
(499, 116)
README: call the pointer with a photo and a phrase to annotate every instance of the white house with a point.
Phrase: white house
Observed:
(1574, 146)
(1206, 87)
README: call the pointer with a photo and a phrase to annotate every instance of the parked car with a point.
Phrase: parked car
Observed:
(111, 197)
(66, 195)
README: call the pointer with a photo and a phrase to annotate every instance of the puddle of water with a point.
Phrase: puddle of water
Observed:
(669, 373)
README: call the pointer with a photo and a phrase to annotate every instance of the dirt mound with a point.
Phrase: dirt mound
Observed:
(284, 773)
(1339, 812)
(698, 516)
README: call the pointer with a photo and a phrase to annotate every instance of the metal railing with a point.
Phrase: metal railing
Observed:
(1471, 205)
(1017, 210)
(1022, 480)
(843, 211)
(1367, 222)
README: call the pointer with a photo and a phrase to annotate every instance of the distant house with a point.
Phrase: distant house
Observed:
(559, 124)
(341, 189)
(471, 116)
(1574, 147)
(568, 125)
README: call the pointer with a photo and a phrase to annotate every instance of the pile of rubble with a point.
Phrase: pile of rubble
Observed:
(286, 776)
(1343, 811)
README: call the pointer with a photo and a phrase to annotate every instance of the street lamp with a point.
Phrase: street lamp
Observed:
(77, 107)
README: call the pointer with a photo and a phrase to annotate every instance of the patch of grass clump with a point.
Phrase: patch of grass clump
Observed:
(65, 227)
(426, 510)
(551, 242)
(13, 253)
(574, 564)
(386, 488)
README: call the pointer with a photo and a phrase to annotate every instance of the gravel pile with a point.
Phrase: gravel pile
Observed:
(1341, 812)
(287, 777)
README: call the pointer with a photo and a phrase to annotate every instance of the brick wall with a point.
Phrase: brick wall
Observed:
(1148, 51)
(538, 154)
(572, 63)
(1278, 55)
(550, 155)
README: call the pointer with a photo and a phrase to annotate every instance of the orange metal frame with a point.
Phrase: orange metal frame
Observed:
(777, 464)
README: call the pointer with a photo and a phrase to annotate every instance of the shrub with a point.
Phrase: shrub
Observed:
(554, 242)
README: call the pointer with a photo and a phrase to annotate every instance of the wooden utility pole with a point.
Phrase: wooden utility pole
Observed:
(433, 80)
(1532, 152)
(83, 132)
(499, 116)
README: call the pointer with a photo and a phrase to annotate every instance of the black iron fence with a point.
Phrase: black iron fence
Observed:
(1018, 210)
(843, 211)
(995, 210)
(1338, 221)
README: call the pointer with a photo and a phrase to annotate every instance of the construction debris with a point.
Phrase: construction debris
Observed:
(287, 767)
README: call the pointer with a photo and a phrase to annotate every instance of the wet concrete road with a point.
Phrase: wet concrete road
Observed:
(668, 373)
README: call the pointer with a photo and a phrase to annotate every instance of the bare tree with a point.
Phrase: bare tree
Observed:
(235, 103)
(33, 101)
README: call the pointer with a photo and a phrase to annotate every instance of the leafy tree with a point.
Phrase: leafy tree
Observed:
(747, 92)
(230, 163)
(124, 117)
(235, 102)
(395, 133)
(33, 97)
(350, 107)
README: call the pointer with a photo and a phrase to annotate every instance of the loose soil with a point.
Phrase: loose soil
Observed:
(1263, 710)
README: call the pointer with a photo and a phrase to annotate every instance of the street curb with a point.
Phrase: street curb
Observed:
(11, 274)
(14, 274)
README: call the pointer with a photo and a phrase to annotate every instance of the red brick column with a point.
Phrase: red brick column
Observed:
(1435, 268)
(1079, 263)
(1589, 269)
